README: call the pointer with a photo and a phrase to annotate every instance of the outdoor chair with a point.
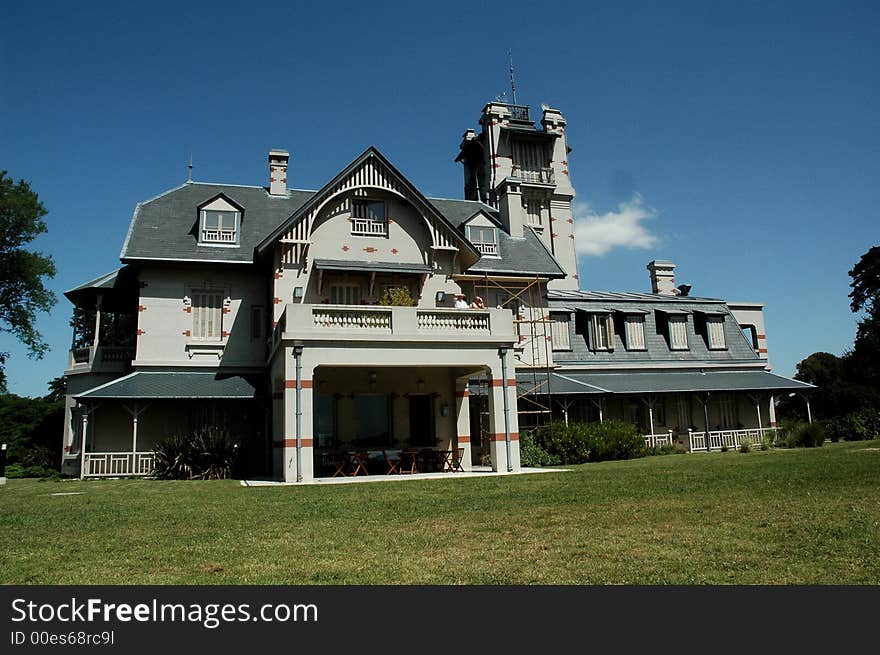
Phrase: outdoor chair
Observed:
(409, 461)
(393, 461)
(453, 461)
(339, 464)
(358, 464)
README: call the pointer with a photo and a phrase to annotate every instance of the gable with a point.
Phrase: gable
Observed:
(368, 173)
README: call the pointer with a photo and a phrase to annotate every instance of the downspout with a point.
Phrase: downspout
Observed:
(297, 355)
(502, 352)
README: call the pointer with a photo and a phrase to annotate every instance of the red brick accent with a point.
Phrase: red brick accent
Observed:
(552, 219)
(496, 165)
(370, 249)
(761, 336)
(291, 443)
(276, 300)
(394, 251)
(500, 436)
(291, 384)
(772, 424)
(141, 308)
(571, 236)
(554, 235)
(188, 310)
(345, 248)
(224, 334)
(278, 276)
(390, 222)
(571, 220)
(576, 277)
(464, 393)
(284, 179)
(140, 332)
(226, 310)
(464, 439)
(274, 324)
(762, 350)
(187, 333)
(497, 382)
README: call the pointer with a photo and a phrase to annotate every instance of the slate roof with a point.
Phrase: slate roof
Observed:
(675, 381)
(376, 267)
(459, 211)
(166, 227)
(520, 256)
(652, 306)
(173, 385)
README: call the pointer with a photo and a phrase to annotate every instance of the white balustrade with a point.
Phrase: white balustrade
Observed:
(118, 464)
(456, 320)
(351, 319)
(732, 439)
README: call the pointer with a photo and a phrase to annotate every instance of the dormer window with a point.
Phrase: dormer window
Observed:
(220, 227)
(220, 222)
(678, 339)
(601, 332)
(485, 239)
(368, 218)
(635, 331)
(715, 332)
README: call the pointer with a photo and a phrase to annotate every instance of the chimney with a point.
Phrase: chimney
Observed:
(663, 278)
(278, 172)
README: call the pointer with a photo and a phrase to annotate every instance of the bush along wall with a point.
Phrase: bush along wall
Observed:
(577, 443)
(209, 454)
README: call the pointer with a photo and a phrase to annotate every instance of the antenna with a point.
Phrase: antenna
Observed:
(512, 80)
(190, 177)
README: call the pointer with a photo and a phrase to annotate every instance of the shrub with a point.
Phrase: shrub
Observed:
(209, 454)
(667, 449)
(724, 448)
(858, 426)
(531, 453)
(577, 443)
(804, 435)
(745, 446)
(398, 296)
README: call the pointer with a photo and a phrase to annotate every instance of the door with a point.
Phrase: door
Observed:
(421, 420)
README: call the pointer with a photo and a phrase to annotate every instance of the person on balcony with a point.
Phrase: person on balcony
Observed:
(461, 301)
(478, 303)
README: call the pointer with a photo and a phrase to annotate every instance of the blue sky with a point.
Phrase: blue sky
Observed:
(740, 140)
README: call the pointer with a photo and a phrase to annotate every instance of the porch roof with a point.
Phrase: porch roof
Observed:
(173, 385)
(371, 267)
(558, 384)
(682, 381)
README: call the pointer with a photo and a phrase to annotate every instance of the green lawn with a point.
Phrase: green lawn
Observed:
(778, 517)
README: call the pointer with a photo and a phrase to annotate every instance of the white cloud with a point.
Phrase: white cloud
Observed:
(596, 234)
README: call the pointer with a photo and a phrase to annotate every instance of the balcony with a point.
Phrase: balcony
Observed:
(532, 175)
(346, 323)
(100, 359)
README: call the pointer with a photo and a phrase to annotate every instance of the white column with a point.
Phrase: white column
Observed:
(85, 430)
(463, 421)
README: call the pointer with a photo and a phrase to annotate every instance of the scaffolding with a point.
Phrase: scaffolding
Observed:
(523, 297)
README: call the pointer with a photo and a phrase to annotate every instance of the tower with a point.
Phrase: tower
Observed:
(522, 170)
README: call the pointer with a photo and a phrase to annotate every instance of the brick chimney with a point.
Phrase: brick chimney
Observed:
(662, 278)
(278, 172)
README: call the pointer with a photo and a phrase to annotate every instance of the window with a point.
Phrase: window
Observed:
(635, 332)
(484, 239)
(220, 227)
(532, 208)
(207, 311)
(602, 332)
(345, 294)
(559, 333)
(256, 322)
(325, 420)
(683, 405)
(751, 335)
(368, 217)
(678, 339)
(715, 332)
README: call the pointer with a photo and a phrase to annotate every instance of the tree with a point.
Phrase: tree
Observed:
(863, 362)
(22, 293)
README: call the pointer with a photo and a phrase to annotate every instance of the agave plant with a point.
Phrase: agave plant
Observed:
(208, 454)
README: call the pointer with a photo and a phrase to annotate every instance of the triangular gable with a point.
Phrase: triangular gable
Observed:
(372, 170)
(488, 220)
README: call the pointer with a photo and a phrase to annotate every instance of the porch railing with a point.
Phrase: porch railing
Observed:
(658, 440)
(117, 464)
(101, 358)
(355, 318)
(732, 439)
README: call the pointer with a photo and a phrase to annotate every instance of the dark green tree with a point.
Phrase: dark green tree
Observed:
(863, 362)
(22, 292)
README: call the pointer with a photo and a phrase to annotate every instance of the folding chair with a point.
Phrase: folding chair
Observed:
(453, 461)
(340, 465)
(392, 462)
(409, 461)
(359, 463)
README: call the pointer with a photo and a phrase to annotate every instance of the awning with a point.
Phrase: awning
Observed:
(169, 385)
(371, 267)
(674, 381)
(118, 290)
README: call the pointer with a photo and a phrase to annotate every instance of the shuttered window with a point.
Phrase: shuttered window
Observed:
(345, 294)
(678, 339)
(559, 331)
(602, 330)
(207, 311)
(715, 330)
(635, 332)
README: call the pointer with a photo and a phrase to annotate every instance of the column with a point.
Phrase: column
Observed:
(502, 422)
(298, 416)
(463, 421)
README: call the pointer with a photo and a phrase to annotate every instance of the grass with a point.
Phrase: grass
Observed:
(802, 516)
